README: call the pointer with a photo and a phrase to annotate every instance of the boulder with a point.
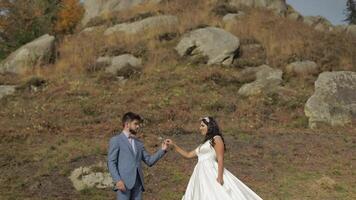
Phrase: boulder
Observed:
(295, 16)
(158, 24)
(98, 8)
(267, 80)
(218, 45)
(278, 6)
(30, 55)
(302, 68)
(231, 17)
(6, 90)
(94, 176)
(334, 99)
(318, 22)
(122, 65)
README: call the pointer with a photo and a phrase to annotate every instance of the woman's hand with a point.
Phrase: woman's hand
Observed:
(220, 180)
(170, 142)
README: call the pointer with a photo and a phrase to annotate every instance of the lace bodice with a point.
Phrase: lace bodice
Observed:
(205, 152)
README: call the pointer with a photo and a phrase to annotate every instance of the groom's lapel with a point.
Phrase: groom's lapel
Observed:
(126, 141)
(136, 148)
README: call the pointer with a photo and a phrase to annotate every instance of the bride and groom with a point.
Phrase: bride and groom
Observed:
(209, 181)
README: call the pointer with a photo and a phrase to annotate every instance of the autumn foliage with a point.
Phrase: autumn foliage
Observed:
(69, 14)
(22, 21)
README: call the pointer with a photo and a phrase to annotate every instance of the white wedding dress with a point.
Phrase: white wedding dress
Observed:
(203, 185)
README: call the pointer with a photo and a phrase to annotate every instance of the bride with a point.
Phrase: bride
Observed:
(210, 181)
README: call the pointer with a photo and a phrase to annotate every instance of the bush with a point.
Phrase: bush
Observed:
(69, 14)
(25, 20)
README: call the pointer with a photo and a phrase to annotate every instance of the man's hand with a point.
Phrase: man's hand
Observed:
(121, 186)
(165, 145)
(169, 142)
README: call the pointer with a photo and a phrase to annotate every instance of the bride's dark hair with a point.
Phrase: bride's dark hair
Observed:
(213, 130)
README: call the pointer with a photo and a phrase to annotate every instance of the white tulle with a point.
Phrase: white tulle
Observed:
(203, 185)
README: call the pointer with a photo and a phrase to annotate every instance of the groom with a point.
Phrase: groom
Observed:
(124, 159)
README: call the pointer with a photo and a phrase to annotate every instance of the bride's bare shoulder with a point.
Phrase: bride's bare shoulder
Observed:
(217, 137)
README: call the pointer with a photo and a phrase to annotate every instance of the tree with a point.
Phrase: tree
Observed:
(69, 14)
(350, 12)
(21, 21)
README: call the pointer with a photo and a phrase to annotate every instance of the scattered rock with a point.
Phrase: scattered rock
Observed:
(278, 6)
(267, 81)
(302, 68)
(6, 90)
(32, 54)
(318, 22)
(92, 29)
(334, 99)
(324, 26)
(95, 176)
(218, 45)
(294, 15)
(124, 65)
(311, 20)
(157, 24)
(99, 8)
(230, 17)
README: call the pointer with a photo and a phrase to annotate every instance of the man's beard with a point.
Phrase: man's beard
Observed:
(133, 131)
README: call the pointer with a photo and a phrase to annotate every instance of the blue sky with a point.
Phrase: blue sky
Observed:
(333, 10)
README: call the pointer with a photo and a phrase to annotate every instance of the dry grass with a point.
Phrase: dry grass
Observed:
(286, 40)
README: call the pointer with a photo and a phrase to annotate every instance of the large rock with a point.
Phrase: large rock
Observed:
(98, 8)
(334, 99)
(267, 81)
(6, 90)
(293, 14)
(278, 6)
(318, 22)
(123, 65)
(311, 20)
(157, 24)
(231, 17)
(218, 45)
(302, 68)
(93, 29)
(37, 52)
(94, 176)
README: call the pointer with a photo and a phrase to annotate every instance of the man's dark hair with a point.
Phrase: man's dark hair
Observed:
(129, 117)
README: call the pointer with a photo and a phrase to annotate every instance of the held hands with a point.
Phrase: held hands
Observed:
(121, 186)
(166, 144)
(169, 142)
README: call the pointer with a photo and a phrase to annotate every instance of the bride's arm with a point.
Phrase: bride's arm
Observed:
(181, 151)
(184, 153)
(219, 149)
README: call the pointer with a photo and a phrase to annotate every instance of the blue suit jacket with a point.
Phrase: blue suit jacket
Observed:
(124, 165)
